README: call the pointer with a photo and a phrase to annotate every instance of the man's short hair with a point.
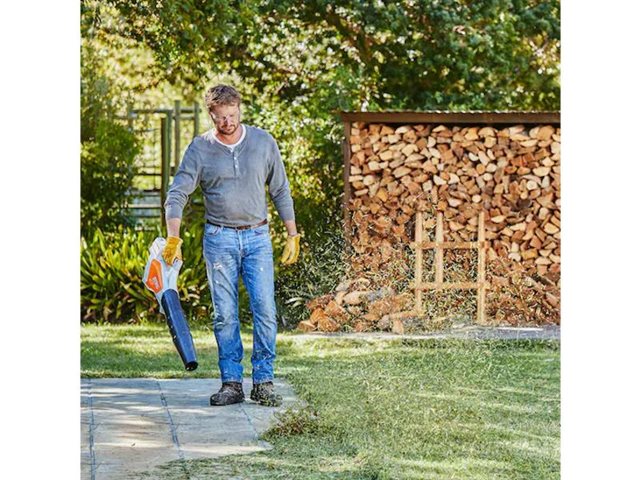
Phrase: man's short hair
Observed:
(222, 95)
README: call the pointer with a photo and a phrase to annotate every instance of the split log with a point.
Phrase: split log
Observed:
(306, 326)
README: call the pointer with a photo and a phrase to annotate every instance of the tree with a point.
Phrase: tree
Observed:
(302, 62)
(419, 54)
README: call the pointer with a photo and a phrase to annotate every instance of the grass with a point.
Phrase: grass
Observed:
(398, 409)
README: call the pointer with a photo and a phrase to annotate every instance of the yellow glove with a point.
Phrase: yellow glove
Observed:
(291, 250)
(172, 250)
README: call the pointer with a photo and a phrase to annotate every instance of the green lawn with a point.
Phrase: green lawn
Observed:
(419, 409)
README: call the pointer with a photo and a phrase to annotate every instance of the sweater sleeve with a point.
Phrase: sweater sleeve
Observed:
(184, 183)
(279, 190)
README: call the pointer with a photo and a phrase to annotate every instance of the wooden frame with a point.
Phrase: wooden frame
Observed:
(440, 246)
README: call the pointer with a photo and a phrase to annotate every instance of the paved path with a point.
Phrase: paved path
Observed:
(130, 425)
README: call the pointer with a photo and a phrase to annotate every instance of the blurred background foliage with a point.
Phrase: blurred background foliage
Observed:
(296, 64)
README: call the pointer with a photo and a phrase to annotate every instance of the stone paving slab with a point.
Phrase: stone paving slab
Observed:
(129, 426)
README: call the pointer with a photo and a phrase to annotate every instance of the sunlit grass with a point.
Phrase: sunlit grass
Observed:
(427, 409)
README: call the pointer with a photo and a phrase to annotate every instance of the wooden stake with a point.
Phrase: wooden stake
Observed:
(418, 273)
(481, 270)
(439, 249)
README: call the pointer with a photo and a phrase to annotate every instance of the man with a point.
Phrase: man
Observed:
(232, 163)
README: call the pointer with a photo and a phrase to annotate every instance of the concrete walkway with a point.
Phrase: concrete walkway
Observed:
(131, 425)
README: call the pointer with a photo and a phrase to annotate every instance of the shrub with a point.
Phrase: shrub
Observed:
(107, 172)
(107, 155)
(320, 268)
(112, 265)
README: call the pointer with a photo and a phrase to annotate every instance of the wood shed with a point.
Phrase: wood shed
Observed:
(442, 202)
(453, 167)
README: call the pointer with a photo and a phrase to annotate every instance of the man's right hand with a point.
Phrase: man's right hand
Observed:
(172, 250)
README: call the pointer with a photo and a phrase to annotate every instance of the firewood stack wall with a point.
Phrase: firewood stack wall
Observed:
(512, 173)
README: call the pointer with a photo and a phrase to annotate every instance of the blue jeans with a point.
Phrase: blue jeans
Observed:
(229, 254)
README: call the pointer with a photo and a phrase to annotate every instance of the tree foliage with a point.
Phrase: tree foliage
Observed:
(302, 62)
(416, 54)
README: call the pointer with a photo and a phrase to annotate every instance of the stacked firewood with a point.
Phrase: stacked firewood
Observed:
(511, 173)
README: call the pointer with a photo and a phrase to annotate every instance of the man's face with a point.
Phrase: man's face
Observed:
(226, 118)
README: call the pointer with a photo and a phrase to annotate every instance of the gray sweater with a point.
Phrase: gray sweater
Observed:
(233, 183)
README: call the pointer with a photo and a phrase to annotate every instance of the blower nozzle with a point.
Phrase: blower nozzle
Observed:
(162, 280)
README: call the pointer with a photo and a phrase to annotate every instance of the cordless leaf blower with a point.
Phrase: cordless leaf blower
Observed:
(162, 280)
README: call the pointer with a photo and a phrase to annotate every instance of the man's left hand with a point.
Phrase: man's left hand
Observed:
(291, 250)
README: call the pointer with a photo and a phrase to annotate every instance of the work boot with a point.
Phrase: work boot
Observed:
(263, 394)
(231, 392)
